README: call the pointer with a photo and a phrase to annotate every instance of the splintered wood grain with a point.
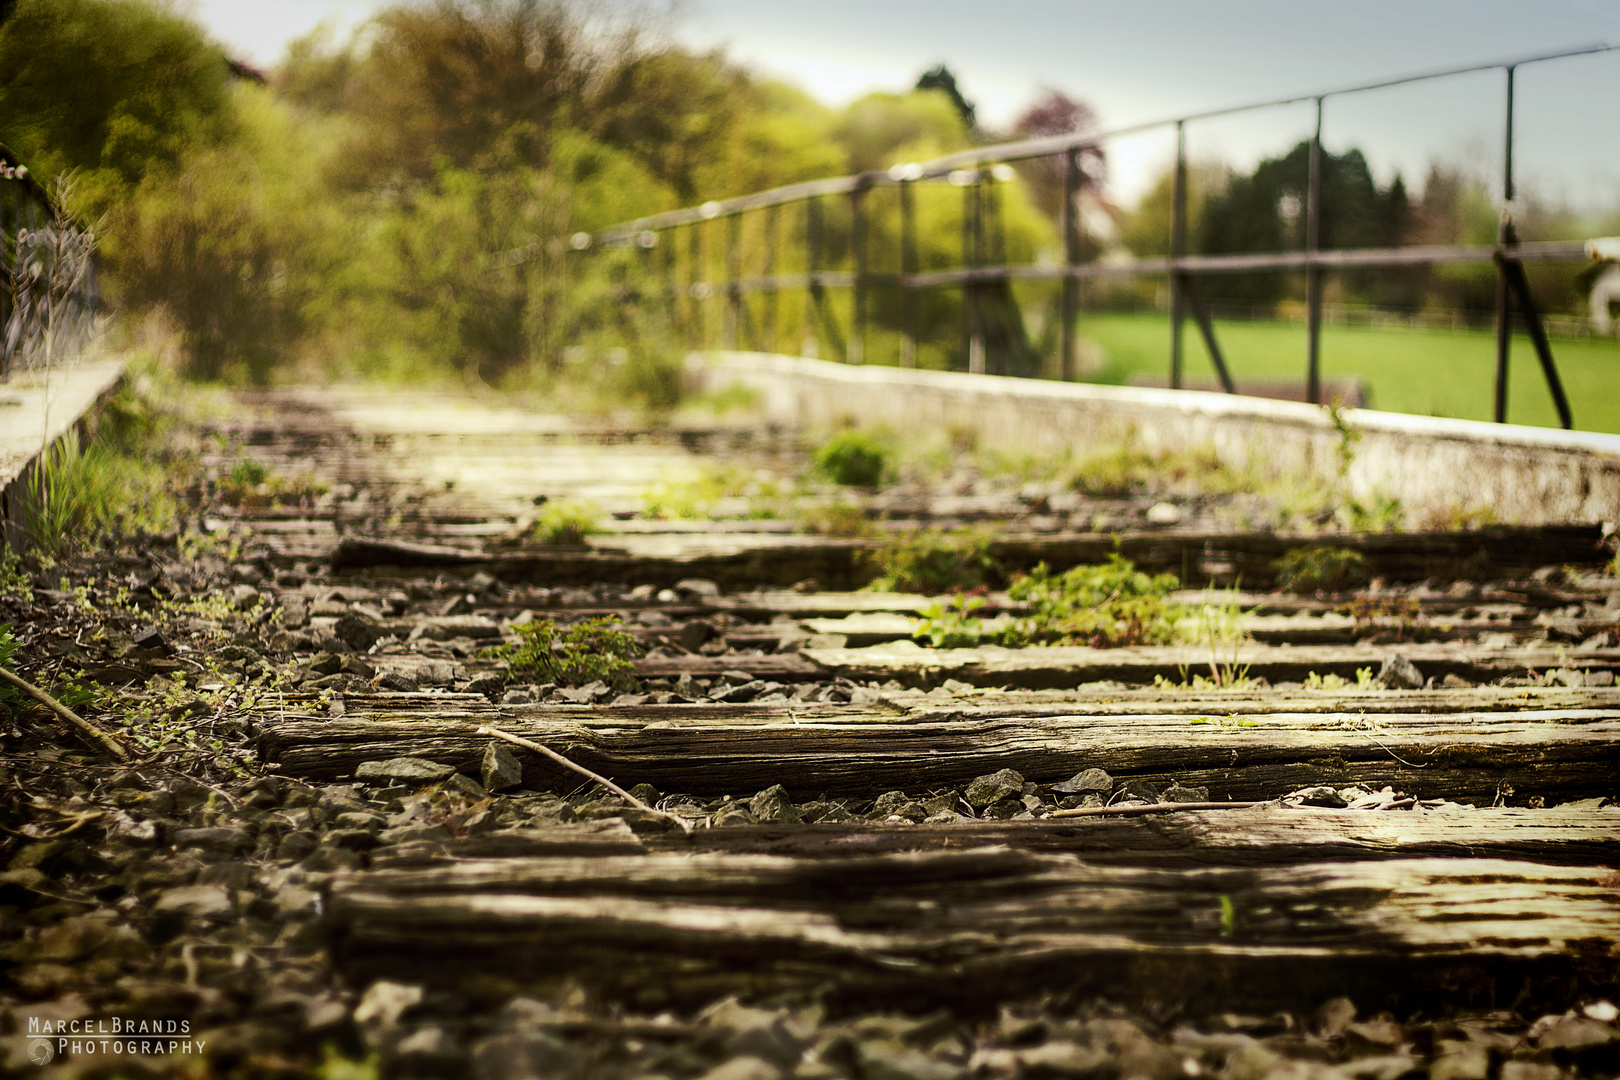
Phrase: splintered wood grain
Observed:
(939, 926)
(1466, 757)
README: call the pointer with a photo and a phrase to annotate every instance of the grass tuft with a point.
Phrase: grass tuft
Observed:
(591, 650)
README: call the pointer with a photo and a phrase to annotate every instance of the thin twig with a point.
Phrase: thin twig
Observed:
(1152, 808)
(546, 751)
(95, 733)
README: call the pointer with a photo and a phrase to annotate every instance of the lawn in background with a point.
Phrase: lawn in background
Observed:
(1428, 372)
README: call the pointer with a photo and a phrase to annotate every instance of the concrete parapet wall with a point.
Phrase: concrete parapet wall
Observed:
(37, 409)
(1434, 466)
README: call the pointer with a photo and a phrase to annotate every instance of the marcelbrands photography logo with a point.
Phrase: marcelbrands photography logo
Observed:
(112, 1036)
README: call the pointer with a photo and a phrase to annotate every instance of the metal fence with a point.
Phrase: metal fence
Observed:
(978, 170)
(49, 292)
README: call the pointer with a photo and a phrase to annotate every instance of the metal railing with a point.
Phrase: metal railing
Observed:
(978, 169)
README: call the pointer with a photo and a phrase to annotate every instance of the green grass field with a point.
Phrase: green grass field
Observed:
(1428, 372)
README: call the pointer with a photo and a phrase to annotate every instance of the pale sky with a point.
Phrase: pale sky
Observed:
(1135, 62)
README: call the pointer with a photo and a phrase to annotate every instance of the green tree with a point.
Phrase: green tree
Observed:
(113, 88)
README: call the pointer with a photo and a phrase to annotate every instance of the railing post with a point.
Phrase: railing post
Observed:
(7, 265)
(1504, 232)
(733, 328)
(1313, 272)
(974, 242)
(908, 266)
(695, 286)
(1178, 248)
(812, 299)
(1071, 255)
(857, 245)
(671, 279)
(773, 242)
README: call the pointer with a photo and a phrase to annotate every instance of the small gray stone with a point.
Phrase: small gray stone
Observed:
(992, 788)
(296, 845)
(403, 834)
(1321, 795)
(739, 692)
(746, 1067)
(734, 814)
(220, 840)
(357, 633)
(1399, 673)
(243, 597)
(699, 587)
(500, 769)
(1004, 809)
(1086, 782)
(1140, 790)
(486, 684)
(351, 839)
(403, 770)
(521, 1053)
(325, 663)
(199, 900)
(519, 696)
(1179, 792)
(773, 805)
(465, 785)
(696, 633)
(888, 803)
(393, 680)
(359, 819)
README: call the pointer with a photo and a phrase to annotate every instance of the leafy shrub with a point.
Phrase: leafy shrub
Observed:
(565, 522)
(853, 459)
(1105, 606)
(587, 651)
(953, 624)
(1321, 568)
(932, 561)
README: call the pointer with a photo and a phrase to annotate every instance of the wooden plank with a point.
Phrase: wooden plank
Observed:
(1469, 759)
(1198, 558)
(1061, 667)
(947, 926)
(1550, 704)
(1264, 836)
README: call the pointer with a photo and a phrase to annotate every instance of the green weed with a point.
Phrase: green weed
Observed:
(1218, 624)
(1330, 681)
(1108, 605)
(14, 580)
(1131, 468)
(932, 561)
(252, 483)
(1104, 606)
(1379, 514)
(1321, 568)
(11, 699)
(565, 522)
(953, 624)
(588, 651)
(69, 492)
(699, 498)
(836, 519)
(853, 459)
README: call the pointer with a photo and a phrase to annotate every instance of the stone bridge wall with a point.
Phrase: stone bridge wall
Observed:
(1436, 467)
